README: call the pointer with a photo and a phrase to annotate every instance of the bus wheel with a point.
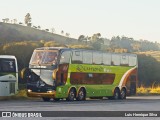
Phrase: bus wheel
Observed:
(123, 93)
(56, 99)
(116, 95)
(81, 94)
(71, 95)
(46, 99)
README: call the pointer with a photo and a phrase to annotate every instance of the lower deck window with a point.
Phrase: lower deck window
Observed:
(92, 78)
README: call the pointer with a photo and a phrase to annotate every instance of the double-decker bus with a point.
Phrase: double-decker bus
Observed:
(8, 75)
(79, 74)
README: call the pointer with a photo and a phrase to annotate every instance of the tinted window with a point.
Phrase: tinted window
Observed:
(97, 58)
(65, 57)
(115, 59)
(87, 57)
(124, 60)
(7, 65)
(132, 60)
(106, 58)
(92, 78)
(77, 57)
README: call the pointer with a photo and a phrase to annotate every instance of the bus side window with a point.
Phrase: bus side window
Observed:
(77, 57)
(65, 57)
(132, 60)
(124, 60)
(106, 58)
(87, 57)
(97, 58)
(115, 59)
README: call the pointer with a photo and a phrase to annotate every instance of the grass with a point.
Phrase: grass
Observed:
(21, 95)
(148, 91)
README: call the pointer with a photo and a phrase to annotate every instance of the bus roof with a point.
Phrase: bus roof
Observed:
(64, 48)
(51, 48)
(7, 56)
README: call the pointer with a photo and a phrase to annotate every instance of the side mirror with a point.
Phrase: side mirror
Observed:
(24, 73)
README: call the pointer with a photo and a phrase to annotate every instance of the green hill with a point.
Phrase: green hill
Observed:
(15, 32)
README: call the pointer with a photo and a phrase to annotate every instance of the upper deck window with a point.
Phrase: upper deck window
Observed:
(106, 58)
(97, 58)
(124, 60)
(115, 59)
(77, 57)
(87, 57)
(132, 60)
(65, 57)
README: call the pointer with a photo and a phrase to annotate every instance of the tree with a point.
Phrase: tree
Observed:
(67, 34)
(27, 19)
(6, 20)
(39, 27)
(47, 30)
(15, 21)
(96, 37)
(62, 32)
(81, 38)
(52, 30)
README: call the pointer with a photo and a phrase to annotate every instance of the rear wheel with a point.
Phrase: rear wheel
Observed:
(46, 99)
(71, 95)
(123, 93)
(81, 94)
(116, 95)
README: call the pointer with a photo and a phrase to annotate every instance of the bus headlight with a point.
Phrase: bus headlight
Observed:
(50, 91)
(29, 90)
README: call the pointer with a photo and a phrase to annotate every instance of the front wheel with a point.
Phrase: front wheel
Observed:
(71, 95)
(81, 95)
(46, 99)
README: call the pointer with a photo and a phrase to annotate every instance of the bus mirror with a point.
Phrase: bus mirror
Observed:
(24, 73)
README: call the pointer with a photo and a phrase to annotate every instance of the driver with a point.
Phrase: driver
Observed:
(52, 57)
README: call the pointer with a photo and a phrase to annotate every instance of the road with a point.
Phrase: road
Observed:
(136, 103)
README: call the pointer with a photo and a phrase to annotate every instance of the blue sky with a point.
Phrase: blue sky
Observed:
(139, 19)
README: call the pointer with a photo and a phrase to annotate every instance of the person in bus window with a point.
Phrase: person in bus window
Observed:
(51, 58)
(38, 57)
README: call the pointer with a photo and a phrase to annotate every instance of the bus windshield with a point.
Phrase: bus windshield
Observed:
(7, 65)
(44, 57)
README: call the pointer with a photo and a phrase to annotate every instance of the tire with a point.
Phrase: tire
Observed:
(123, 93)
(71, 95)
(116, 95)
(81, 94)
(46, 99)
(56, 99)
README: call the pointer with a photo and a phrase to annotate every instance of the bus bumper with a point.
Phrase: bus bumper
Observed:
(50, 94)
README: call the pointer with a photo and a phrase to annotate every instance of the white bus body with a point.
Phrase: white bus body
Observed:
(8, 75)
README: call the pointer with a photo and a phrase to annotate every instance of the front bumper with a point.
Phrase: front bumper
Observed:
(42, 94)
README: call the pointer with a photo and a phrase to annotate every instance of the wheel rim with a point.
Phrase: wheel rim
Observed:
(123, 94)
(116, 95)
(81, 95)
(71, 95)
